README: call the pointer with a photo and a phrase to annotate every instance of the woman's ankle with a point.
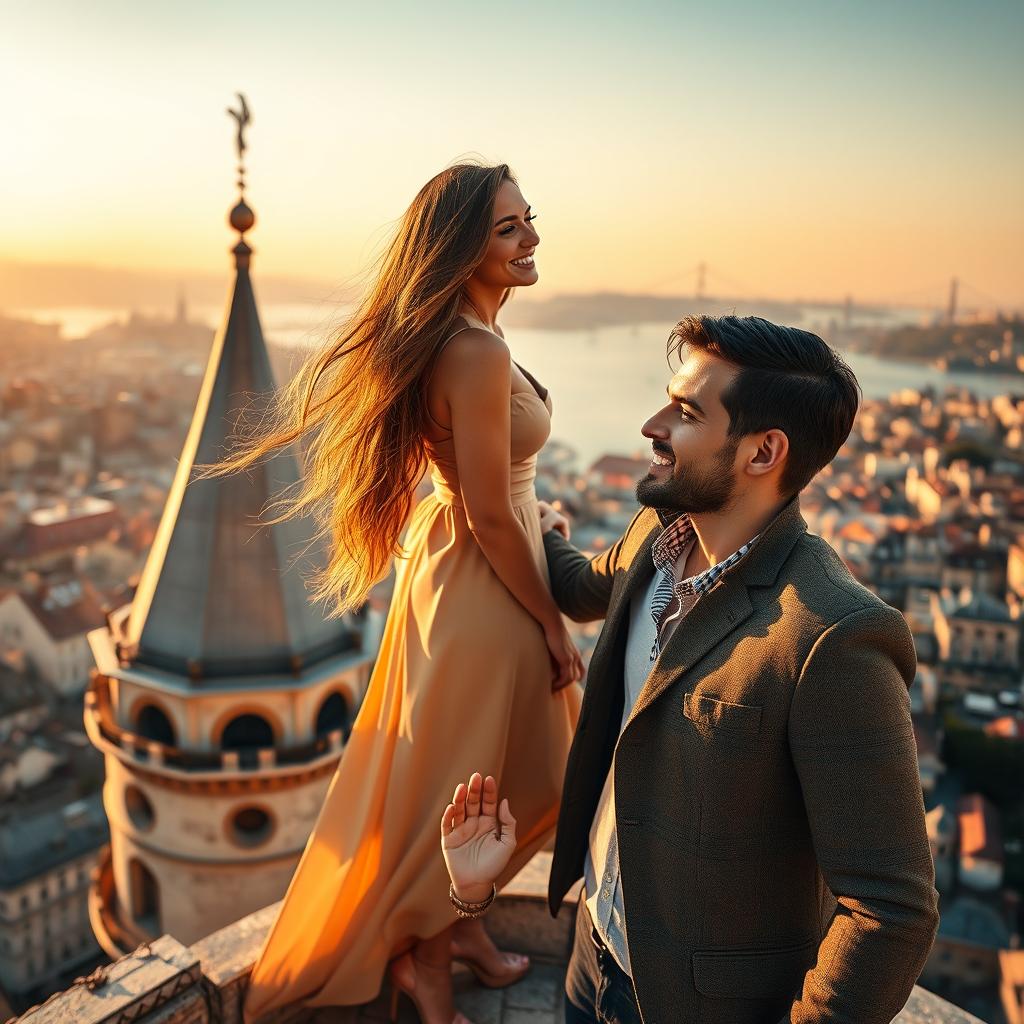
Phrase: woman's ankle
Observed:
(431, 964)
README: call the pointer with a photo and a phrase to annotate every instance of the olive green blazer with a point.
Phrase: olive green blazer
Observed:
(773, 851)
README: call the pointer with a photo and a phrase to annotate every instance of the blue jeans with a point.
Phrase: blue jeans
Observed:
(597, 990)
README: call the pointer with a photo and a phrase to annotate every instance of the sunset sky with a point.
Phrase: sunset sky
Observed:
(804, 149)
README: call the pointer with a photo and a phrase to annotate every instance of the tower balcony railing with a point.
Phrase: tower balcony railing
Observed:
(165, 982)
(111, 926)
(107, 735)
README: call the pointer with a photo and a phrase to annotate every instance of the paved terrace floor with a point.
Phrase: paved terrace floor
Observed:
(169, 983)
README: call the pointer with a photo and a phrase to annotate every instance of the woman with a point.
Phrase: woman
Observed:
(475, 665)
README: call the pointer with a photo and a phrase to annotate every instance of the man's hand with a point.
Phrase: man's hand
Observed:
(477, 837)
(552, 519)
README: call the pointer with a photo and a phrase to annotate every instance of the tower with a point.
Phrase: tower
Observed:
(221, 697)
(180, 309)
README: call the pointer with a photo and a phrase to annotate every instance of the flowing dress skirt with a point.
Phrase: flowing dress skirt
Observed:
(462, 684)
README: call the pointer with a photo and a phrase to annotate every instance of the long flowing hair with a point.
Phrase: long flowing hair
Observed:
(358, 404)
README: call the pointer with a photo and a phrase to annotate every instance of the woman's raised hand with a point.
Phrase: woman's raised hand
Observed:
(477, 837)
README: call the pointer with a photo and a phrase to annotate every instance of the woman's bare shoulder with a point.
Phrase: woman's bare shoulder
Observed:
(475, 350)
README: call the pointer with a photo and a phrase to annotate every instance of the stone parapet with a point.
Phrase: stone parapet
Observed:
(164, 982)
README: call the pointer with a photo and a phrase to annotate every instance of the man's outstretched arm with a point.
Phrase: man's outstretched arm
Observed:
(582, 587)
(852, 743)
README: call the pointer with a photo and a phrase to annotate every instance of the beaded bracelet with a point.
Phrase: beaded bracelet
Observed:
(464, 909)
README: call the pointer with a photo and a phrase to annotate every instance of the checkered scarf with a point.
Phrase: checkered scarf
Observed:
(667, 549)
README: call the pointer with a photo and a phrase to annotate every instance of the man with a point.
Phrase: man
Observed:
(742, 795)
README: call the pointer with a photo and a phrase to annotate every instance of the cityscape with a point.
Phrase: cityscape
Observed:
(925, 503)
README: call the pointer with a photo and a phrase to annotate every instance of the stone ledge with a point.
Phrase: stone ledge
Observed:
(204, 983)
(158, 982)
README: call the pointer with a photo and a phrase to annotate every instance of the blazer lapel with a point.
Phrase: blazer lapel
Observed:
(606, 666)
(725, 606)
(604, 692)
(639, 574)
(641, 568)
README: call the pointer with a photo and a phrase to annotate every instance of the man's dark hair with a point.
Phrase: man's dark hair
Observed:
(789, 380)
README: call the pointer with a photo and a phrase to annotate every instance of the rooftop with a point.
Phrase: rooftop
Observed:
(66, 609)
(969, 920)
(31, 844)
(983, 608)
(65, 511)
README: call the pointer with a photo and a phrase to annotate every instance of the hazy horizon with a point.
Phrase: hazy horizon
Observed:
(41, 286)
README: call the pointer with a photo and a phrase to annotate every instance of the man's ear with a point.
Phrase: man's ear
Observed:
(771, 452)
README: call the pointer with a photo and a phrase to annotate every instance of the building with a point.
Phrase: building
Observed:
(931, 497)
(49, 535)
(929, 762)
(50, 624)
(1007, 726)
(618, 473)
(924, 690)
(1011, 985)
(966, 950)
(221, 697)
(1015, 568)
(981, 843)
(941, 824)
(46, 861)
(22, 705)
(981, 568)
(28, 756)
(979, 638)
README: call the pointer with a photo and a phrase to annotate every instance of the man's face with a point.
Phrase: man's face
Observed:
(693, 464)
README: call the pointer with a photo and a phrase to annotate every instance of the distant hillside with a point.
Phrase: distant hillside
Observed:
(53, 285)
(958, 339)
(602, 309)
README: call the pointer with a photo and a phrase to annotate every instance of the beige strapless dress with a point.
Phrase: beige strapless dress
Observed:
(462, 684)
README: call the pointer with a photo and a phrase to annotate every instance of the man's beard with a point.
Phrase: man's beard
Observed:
(708, 489)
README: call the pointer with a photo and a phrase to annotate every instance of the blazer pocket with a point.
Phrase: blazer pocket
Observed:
(734, 719)
(752, 974)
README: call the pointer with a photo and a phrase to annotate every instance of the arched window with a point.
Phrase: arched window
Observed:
(139, 807)
(145, 896)
(247, 731)
(333, 714)
(247, 734)
(153, 724)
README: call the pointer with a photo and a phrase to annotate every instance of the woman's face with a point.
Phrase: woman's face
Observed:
(508, 262)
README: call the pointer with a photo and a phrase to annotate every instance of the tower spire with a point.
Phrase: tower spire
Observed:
(221, 693)
(216, 599)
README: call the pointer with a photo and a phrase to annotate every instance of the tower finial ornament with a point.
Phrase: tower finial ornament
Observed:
(243, 117)
(241, 218)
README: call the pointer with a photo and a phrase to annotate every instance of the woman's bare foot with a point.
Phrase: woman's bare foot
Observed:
(429, 986)
(492, 966)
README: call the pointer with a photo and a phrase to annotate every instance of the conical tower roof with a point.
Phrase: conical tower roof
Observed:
(221, 595)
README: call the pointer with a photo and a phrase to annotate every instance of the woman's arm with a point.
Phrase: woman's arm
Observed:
(476, 378)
